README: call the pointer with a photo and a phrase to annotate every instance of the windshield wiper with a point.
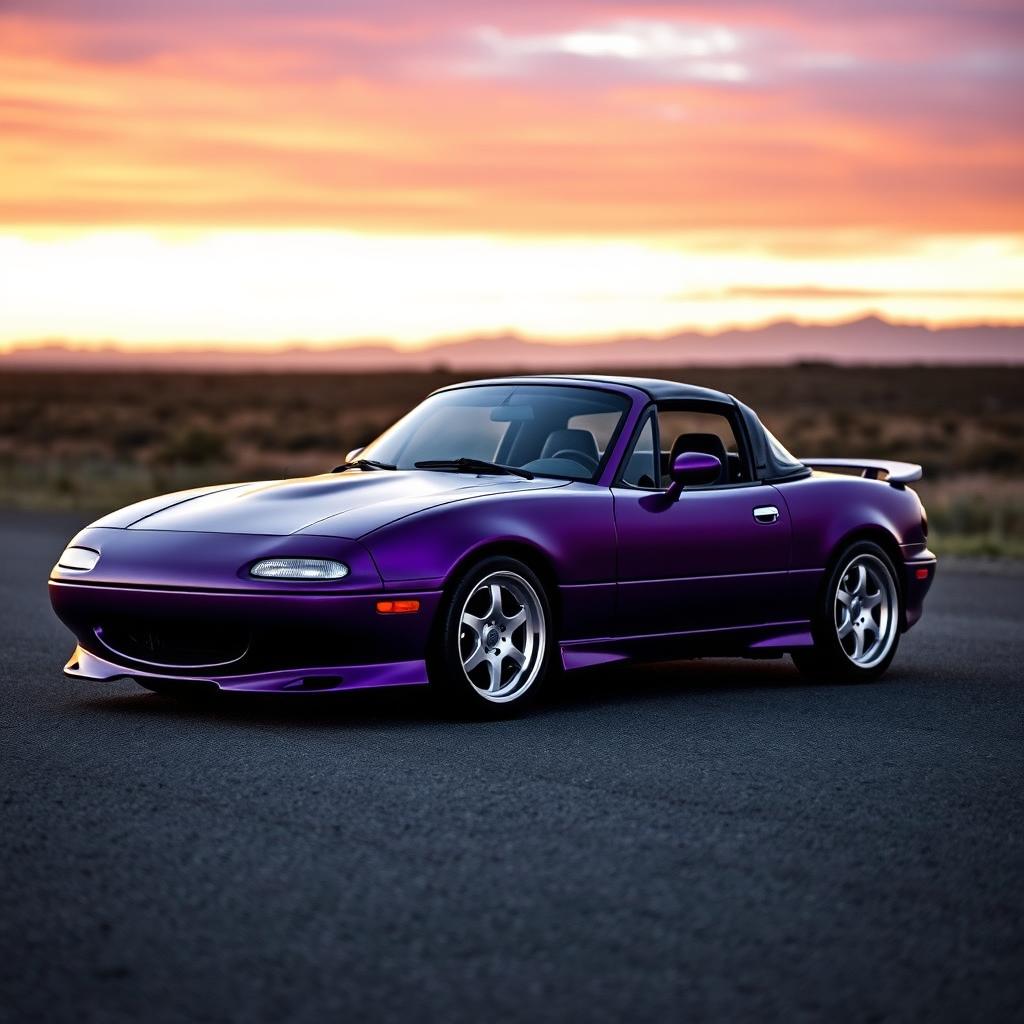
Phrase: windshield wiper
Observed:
(473, 466)
(364, 464)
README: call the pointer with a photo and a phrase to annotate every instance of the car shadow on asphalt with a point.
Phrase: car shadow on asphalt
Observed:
(604, 687)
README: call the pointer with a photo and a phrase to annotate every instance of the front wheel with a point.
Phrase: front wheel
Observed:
(856, 627)
(494, 644)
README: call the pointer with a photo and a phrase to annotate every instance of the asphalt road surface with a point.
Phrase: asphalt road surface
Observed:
(703, 840)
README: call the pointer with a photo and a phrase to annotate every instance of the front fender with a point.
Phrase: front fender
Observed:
(571, 528)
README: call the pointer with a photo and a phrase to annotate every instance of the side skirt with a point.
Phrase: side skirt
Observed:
(764, 641)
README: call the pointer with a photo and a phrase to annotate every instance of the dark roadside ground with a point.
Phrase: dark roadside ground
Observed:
(702, 840)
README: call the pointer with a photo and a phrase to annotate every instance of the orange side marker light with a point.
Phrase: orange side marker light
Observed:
(398, 607)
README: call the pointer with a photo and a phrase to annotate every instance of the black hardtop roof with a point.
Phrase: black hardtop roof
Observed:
(659, 390)
(767, 465)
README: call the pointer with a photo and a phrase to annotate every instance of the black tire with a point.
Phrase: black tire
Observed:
(185, 692)
(493, 642)
(834, 656)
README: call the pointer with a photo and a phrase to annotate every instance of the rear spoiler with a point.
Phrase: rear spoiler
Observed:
(899, 474)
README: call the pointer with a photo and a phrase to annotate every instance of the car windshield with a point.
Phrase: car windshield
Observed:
(548, 430)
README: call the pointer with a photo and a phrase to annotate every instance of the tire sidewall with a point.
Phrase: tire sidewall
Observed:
(444, 663)
(828, 651)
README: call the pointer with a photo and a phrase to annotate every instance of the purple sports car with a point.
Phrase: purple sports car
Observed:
(503, 531)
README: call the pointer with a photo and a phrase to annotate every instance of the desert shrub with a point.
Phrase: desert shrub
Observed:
(196, 446)
(98, 440)
(130, 439)
(1002, 456)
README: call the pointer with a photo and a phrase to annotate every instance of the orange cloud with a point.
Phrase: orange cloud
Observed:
(572, 168)
(117, 124)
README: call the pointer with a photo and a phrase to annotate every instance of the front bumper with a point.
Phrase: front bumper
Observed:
(83, 665)
(274, 642)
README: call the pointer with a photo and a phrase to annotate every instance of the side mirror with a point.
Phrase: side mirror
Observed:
(691, 469)
(354, 454)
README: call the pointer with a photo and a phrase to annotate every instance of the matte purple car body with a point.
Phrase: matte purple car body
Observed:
(630, 573)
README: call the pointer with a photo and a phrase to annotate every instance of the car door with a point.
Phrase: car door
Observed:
(715, 558)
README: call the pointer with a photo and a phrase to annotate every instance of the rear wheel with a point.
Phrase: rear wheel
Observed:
(493, 646)
(856, 627)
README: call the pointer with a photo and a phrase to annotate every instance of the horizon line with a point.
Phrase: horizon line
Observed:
(285, 347)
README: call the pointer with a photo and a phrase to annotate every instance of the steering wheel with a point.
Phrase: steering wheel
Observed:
(585, 460)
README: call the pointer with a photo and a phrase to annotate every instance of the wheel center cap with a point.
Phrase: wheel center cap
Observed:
(491, 637)
(855, 608)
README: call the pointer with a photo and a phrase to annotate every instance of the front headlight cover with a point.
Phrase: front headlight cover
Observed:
(312, 569)
(78, 559)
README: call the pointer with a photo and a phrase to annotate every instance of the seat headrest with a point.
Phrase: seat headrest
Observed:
(569, 439)
(708, 444)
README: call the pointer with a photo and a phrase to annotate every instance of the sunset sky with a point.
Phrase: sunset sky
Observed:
(229, 172)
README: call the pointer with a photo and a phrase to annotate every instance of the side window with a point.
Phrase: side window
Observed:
(642, 463)
(685, 430)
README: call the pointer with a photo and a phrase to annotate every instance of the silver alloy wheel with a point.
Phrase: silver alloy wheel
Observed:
(866, 611)
(502, 636)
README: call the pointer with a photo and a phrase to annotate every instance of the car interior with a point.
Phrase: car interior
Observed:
(566, 449)
(564, 439)
(692, 431)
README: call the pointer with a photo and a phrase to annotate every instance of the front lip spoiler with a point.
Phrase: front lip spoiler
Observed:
(84, 664)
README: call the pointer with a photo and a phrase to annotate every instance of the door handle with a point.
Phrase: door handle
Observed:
(766, 514)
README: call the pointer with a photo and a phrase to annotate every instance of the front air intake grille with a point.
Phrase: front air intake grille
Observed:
(177, 644)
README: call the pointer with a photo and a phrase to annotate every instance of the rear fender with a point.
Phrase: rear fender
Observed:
(828, 512)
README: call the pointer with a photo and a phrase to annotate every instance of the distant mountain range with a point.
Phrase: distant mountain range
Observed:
(868, 340)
